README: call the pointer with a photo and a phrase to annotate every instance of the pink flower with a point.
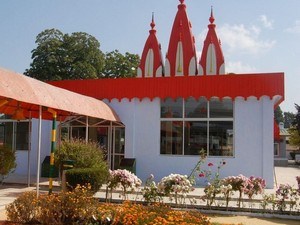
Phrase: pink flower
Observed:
(210, 164)
(201, 175)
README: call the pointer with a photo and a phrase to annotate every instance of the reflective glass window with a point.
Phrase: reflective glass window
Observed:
(196, 108)
(220, 108)
(172, 108)
(171, 141)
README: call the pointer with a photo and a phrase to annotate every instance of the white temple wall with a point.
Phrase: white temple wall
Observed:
(253, 141)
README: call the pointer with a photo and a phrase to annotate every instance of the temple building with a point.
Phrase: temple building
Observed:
(180, 105)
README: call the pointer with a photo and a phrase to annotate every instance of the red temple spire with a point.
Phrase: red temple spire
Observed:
(212, 59)
(151, 64)
(211, 18)
(181, 55)
(152, 24)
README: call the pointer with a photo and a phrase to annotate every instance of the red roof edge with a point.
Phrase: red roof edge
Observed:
(232, 86)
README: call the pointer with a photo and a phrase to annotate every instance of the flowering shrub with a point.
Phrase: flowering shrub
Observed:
(226, 190)
(210, 176)
(286, 193)
(254, 186)
(150, 190)
(176, 184)
(76, 207)
(238, 183)
(214, 183)
(268, 199)
(23, 209)
(211, 191)
(197, 167)
(124, 179)
(158, 214)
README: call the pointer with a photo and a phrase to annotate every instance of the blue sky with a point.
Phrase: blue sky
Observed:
(257, 36)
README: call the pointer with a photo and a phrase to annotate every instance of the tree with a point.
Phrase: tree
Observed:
(296, 122)
(278, 115)
(289, 118)
(61, 56)
(118, 65)
(297, 118)
(294, 138)
(294, 130)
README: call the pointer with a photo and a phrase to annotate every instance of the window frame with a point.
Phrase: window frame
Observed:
(15, 145)
(276, 149)
(184, 119)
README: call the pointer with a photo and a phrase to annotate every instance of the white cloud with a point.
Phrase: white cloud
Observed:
(266, 22)
(239, 67)
(295, 28)
(238, 38)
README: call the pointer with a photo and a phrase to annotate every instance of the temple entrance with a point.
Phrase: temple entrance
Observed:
(110, 136)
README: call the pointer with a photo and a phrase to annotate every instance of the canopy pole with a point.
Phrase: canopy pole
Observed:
(53, 142)
(110, 151)
(29, 150)
(39, 152)
(86, 129)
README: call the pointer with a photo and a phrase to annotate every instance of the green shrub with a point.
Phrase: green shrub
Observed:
(7, 161)
(96, 177)
(84, 155)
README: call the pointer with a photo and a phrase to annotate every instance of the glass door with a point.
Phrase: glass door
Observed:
(110, 138)
(118, 150)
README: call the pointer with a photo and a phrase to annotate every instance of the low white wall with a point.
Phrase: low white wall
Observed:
(253, 141)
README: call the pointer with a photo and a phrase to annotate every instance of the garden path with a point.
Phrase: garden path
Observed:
(247, 220)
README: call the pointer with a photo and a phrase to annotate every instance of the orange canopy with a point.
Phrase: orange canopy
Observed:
(19, 92)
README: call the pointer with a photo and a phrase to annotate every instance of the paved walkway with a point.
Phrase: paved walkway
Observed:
(15, 185)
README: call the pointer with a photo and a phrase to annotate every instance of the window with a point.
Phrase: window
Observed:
(276, 149)
(22, 135)
(191, 125)
(14, 134)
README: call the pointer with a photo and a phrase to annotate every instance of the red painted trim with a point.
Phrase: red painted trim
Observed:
(242, 85)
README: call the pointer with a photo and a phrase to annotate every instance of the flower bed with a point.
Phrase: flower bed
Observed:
(231, 194)
(79, 207)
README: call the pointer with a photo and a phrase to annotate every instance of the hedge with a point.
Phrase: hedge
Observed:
(96, 177)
